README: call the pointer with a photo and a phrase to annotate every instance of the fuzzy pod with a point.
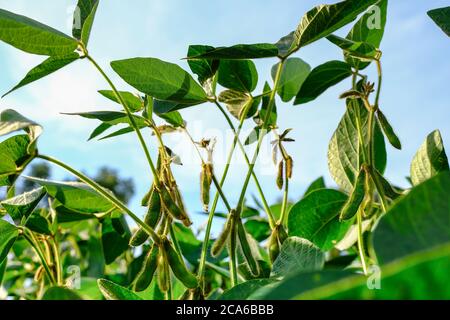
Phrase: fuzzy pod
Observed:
(246, 249)
(289, 167)
(178, 266)
(355, 199)
(172, 208)
(280, 176)
(221, 240)
(145, 276)
(274, 246)
(153, 215)
(163, 271)
(138, 238)
(388, 130)
(39, 273)
(205, 183)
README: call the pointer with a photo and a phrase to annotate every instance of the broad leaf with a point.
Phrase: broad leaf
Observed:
(441, 17)
(321, 78)
(115, 237)
(75, 196)
(344, 154)
(60, 293)
(418, 221)
(297, 255)
(238, 75)
(353, 49)
(325, 19)
(12, 121)
(161, 107)
(239, 52)
(258, 229)
(262, 114)
(316, 218)
(369, 29)
(244, 290)
(430, 159)
(205, 69)
(161, 80)
(294, 73)
(8, 235)
(83, 19)
(24, 204)
(286, 45)
(39, 224)
(13, 155)
(174, 118)
(112, 291)
(49, 66)
(317, 184)
(236, 102)
(33, 37)
(134, 102)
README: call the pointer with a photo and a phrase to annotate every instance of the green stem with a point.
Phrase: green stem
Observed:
(284, 204)
(39, 252)
(362, 253)
(247, 160)
(58, 266)
(105, 194)
(129, 114)
(233, 253)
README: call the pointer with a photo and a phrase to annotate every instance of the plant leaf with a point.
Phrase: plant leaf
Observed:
(344, 154)
(161, 80)
(441, 17)
(33, 37)
(75, 196)
(24, 204)
(369, 29)
(286, 45)
(316, 218)
(244, 290)
(132, 101)
(13, 154)
(238, 75)
(112, 291)
(236, 102)
(317, 184)
(430, 159)
(8, 235)
(115, 237)
(38, 224)
(321, 78)
(293, 75)
(239, 52)
(352, 49)
(325, 19)
(258, 229)
(83, 19)
(12, 121)
(49, 66)
(60, 293)
(297, 255)
(416, 222)
(205, 69)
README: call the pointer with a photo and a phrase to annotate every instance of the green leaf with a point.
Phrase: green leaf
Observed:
(239, 52)
(8, 235)
(174, 118)
(238, 75)
(244, 290)
(344, 154)
(236, 102)
(441, 17)
(66, 215)
(261, 115)
(83, 19)
(13, 155)
(12, 121)
(258, 229)
(38, 224)
(112, 291)
(430, 159)
(115, 238)
(322, 78)
(75, 196)
(161, 80)
(203, 68)
(286, 45)
(418, 221)
(134, 102)
(297, 255)
(33, 37)
(293, 75)
(352, 49)
(389, 131)
(325, 19)
(49, 66)
(316, 218)
(24, 204)
(369, 29)
(317, 184)
(60, 293)
(161, 107)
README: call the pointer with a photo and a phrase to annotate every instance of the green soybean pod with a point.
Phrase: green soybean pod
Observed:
(356, 197)
(163, 271)
(154, 209)
(138, 238)
(170, 205)
(205, 182)
(246, 249)
(178, 266)
(280, 177)
(289, 167)
(221, 240)
(145, 276)
(274, 245)
(389, 131)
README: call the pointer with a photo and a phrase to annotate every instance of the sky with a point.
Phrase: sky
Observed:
(415, 95)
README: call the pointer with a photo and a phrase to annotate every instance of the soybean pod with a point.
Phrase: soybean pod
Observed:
(356, 197)
(178, 266)
(246, 249)
(163, 271)
(145, 276)
(221, 240)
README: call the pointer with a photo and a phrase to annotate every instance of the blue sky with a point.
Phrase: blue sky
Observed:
(415, 94)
